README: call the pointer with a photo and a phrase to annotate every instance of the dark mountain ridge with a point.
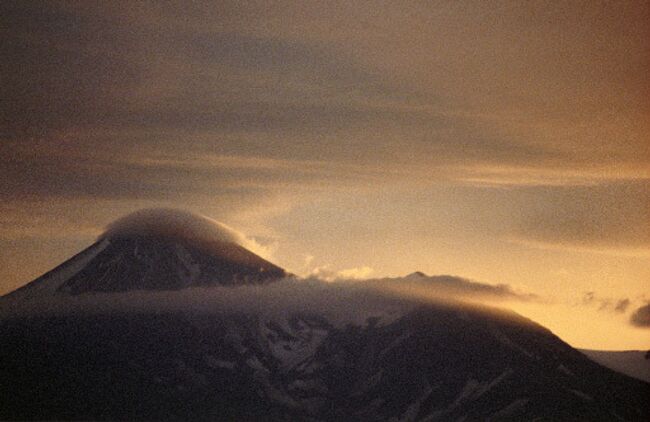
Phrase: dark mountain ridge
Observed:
(436, 362)
(230, 349)
(137, 254)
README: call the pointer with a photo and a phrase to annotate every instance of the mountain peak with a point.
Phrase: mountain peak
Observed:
(173, 225)
(158, 249)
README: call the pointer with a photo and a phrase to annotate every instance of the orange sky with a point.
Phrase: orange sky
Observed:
(499, 141)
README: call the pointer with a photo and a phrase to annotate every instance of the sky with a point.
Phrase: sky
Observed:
(502, 142)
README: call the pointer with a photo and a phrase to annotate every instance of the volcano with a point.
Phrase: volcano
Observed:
(157, 249)
(262, 350)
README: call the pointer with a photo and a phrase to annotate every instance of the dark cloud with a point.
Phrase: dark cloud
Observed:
(641, 316)
(95, 171)
(622, 305)
(60, 65)
(69, 69)
(92, 95)
(96, 70)
(604, 216)
(606, 304)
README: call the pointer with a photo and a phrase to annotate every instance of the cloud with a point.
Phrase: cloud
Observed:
(341, 302)
(588, 298)
(641, 316)
(108, 72)
(622, 305)
(419, 285)
(115, 71)
(611, 218)
(356, 273)
(605, 304)
(526, 175)
(325, 273)
(229, 109)
(171, 223)
(181, 225)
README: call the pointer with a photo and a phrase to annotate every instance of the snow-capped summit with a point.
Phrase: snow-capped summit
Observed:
(157, 249)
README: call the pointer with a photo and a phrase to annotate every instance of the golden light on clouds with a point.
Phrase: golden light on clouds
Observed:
(502, 142)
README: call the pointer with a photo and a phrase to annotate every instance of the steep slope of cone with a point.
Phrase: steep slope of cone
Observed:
(157, 249)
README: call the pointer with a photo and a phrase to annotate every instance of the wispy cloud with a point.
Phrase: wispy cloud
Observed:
(611, 218)
(641, 316)
(606, 304)
(325, 273)
(437, 131)
(420, 286)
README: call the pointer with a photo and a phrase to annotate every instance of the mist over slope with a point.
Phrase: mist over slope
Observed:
(295, 349)
(342, 301)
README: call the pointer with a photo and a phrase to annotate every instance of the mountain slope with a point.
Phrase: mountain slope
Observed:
(155, 250)
(435, 362)
(169, 317)
(633, 363)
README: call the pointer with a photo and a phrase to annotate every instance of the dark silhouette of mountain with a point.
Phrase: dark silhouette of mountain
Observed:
(633, 363)
(436, 362)
(154, 252)
(430, 362)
